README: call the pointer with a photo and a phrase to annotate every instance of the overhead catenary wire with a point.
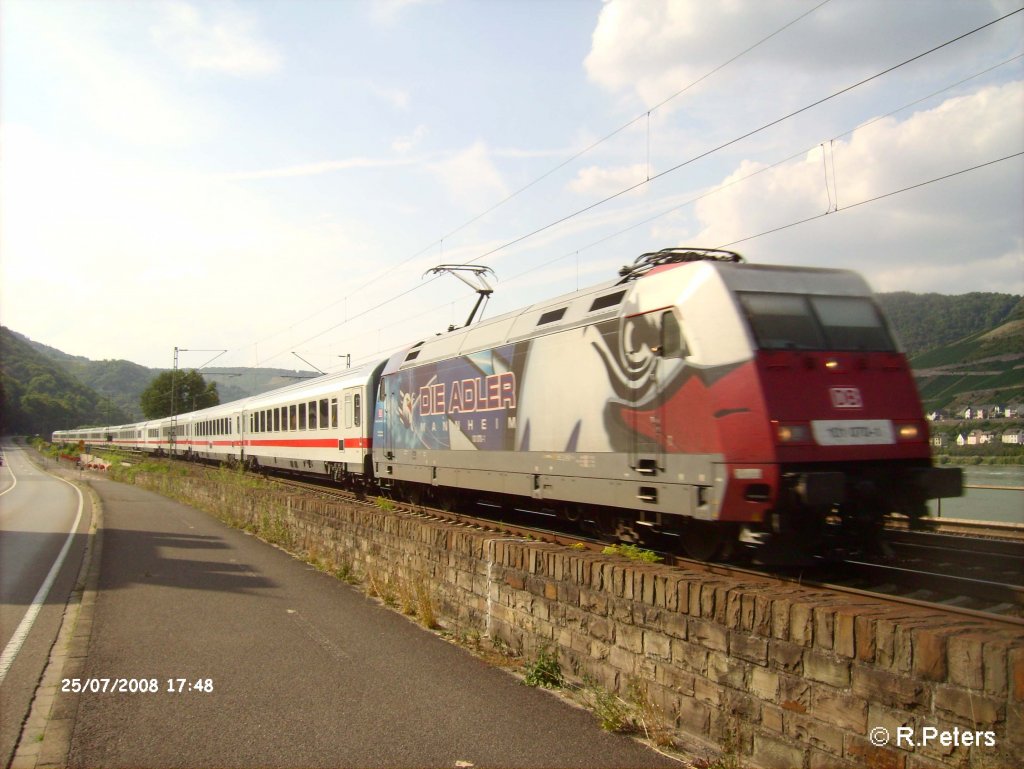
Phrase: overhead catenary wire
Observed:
(654, 177)
(572, 158)
(740, 138)
(874, 199)
(741, 179)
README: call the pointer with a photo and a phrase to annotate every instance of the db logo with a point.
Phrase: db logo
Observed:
(846, 397)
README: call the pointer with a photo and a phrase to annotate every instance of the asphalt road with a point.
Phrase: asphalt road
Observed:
(37, 512)
(303, 670)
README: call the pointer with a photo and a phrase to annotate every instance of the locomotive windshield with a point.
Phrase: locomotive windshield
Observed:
(805, 322)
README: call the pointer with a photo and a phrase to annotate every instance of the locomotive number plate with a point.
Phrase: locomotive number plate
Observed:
(853, 432)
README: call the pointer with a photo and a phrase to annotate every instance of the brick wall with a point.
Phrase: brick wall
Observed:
(787, 676)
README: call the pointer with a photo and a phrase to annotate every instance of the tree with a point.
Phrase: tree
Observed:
(191, 392)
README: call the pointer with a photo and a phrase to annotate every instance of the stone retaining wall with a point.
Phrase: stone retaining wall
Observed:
(786, 676)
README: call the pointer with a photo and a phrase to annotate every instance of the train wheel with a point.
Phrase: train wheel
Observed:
(447, 500)
(414, 494)
(707, 540)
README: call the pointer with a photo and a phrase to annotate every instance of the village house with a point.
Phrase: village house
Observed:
(979, 437)
(1014, 436)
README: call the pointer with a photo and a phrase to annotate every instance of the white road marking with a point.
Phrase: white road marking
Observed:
(14, 478)
(14, 645)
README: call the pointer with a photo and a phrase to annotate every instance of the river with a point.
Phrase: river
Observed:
(987, 504)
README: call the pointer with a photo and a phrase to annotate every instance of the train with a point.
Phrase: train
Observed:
(695, 399)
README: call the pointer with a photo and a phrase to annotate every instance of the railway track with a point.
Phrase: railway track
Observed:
(966, 567)
(955, 573)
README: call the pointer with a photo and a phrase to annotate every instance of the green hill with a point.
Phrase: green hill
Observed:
(37, 395)
(45, 389)
(983, 368)
(928, 321)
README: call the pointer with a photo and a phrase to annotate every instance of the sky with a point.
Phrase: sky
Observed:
(275, 178)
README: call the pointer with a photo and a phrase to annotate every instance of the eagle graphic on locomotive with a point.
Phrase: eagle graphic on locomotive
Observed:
(697, 401)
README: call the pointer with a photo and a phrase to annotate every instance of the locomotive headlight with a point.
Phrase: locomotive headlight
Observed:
(792, 433)
(908, 432)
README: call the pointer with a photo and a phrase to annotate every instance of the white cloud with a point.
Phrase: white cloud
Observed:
(397, 98)
(387, 12)
(404, 144)
(226, 43)
(961, 232)
(651, 50)
(471, 177)
(317, 169)
(599, 182)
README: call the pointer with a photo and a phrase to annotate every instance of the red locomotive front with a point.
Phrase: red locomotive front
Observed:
(847, 433)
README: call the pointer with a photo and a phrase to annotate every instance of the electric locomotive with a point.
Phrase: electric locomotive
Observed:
(696, 396)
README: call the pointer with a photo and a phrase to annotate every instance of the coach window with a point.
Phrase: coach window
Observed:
(312, 415)
(302, 416)
(672, 343)
(334, 412)
(356, 409)
(324, 416)
(293, 422)
(277, 420)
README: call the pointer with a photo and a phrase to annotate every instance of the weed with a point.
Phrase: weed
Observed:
(425, 604)
(385, 504)
(633, 552)
(652, 718)
(381, 587)
(406, 599)
(612, 711)
(502, 648)
(346, 573)
(545, 670)
(729, 758)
